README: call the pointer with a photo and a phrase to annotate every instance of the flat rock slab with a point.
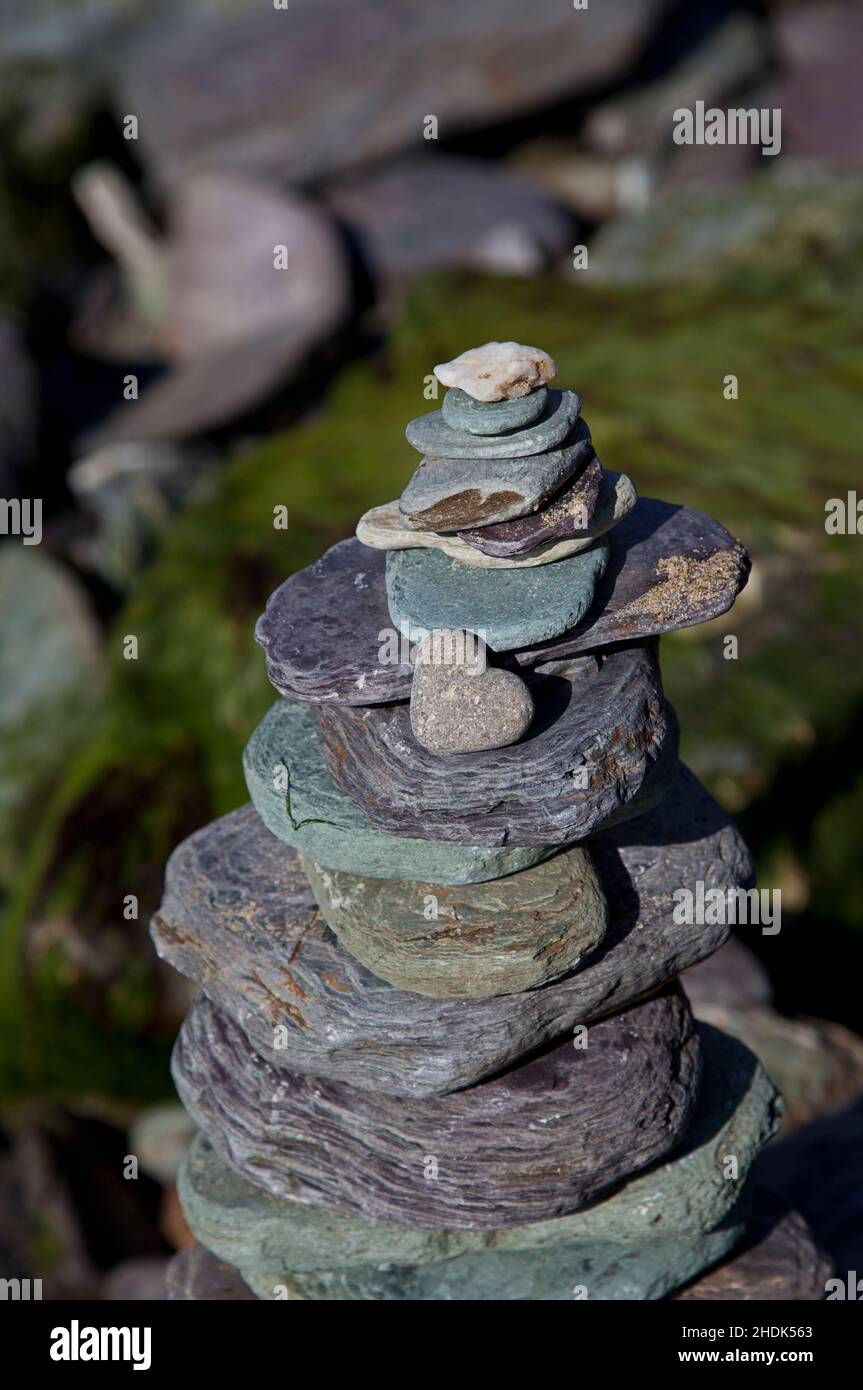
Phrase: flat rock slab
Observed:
(509, 608)
(778, 1261)
(325, 629)
(300, 803)
(650, 1235)
(238, 917)
(431, 435)
(594, 744)
(566, 515)
(383, 528)
(537, 1141)
(447, 494)
(474, 942)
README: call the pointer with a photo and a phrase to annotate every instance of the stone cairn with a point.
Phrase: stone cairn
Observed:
(440, 1050)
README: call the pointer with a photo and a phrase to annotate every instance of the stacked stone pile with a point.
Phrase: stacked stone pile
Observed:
(440, 1050)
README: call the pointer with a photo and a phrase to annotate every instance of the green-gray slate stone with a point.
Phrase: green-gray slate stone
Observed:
(330, 828)
(462, 412)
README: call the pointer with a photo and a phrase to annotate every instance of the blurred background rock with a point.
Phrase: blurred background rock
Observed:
(151, 258)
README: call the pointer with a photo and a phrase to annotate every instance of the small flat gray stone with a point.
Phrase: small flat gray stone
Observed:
(508, 608)
(430, 434)
(460, 704)
(239, 918)
(463, 412)
(652, 1234)
(325, 627)
(600, 733)
(537, 1141)
(448, 494)
(283, 763)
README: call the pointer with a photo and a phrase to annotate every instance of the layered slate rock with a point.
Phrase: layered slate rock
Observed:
(238, 917)
(324, 629)
(565, 516)
(431, 435)
(777, 1261)
(383, 528)
(595, 743)
(300, 803)
(537, 1141)
(474, 942)
(447, 494)
(649, 1236)
(509, 608)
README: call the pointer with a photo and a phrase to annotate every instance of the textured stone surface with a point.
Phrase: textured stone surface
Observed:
(448, 494)
(510, 608)
(565, 516)
(239, 918)
(462, 412)
(431, 435)
(498, 371)
(650, 1235)
(778, 1260)
(197, 1275)
(383, 527)
(594, 744)
(473, 942)
(540, 1140)
(670, 567)
(460, 704)
(332, 829)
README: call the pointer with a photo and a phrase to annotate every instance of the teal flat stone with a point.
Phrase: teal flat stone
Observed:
(508, 608)
(651, 1235)
(462, 412)
(431, 434)
(325, 824)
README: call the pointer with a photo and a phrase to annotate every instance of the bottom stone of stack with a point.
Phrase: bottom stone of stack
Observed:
(653, 1234)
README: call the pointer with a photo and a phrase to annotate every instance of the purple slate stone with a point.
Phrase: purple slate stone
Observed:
(324, 630)
(596, 738)
(565, 515)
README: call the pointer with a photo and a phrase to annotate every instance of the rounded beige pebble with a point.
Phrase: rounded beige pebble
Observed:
(498, 371)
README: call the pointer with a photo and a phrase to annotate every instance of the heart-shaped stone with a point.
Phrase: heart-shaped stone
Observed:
(459, 704)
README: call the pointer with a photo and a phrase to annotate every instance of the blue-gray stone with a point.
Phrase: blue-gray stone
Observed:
(430, 433)
(299, 802)
(508, 608)
(463, 412)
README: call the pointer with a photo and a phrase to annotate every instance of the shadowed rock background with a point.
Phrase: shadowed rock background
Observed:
(152, 257)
